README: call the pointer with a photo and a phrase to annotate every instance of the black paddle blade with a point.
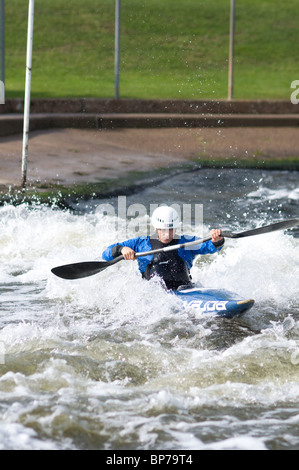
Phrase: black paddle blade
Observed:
(80, 270)
(84, 269)
(266, 229)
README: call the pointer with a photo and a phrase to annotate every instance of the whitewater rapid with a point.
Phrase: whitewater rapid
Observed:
(114, 362)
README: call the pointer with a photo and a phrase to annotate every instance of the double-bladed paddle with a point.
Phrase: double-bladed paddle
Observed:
(89, 268)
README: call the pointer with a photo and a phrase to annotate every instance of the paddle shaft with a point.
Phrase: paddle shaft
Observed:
(248, 233)
(89, 268)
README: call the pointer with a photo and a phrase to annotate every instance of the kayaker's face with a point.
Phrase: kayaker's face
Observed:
(165, 235)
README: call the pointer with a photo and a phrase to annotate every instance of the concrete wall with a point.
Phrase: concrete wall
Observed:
(90, 105)
(125, 113)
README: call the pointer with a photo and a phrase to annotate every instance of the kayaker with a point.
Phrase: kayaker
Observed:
(173, 267)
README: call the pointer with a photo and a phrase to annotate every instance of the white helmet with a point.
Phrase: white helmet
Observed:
(165, 218)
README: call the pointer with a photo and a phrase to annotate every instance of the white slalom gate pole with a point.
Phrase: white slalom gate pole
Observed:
(117, 46)
(27, 92)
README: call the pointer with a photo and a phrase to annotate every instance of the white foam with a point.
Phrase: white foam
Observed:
(263, 267)
(274, 194)
(14, 436)
(42, 313)
(238, 443)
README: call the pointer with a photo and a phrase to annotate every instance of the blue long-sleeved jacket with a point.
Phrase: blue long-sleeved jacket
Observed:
(141, 244)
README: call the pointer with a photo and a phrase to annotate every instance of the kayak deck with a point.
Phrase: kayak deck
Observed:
(214, 301)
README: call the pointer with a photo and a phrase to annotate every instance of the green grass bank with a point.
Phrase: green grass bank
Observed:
(169, 49)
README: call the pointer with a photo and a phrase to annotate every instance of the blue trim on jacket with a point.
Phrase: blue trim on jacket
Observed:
(141, 244)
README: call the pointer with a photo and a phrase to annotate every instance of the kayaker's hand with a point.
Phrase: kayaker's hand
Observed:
(216, 235)
(128, 253)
